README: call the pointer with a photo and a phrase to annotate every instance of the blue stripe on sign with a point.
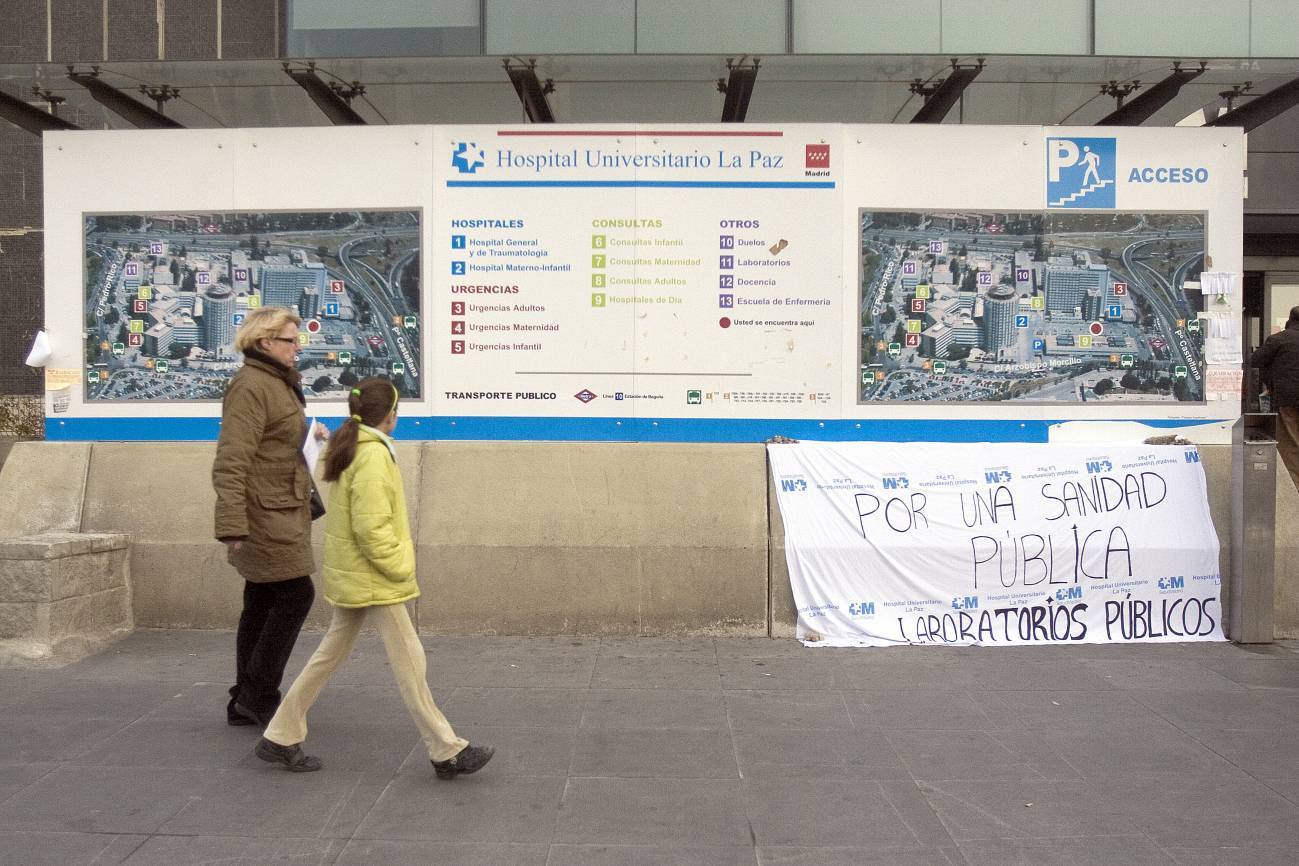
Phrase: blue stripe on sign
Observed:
(669, 184)
(516, 429)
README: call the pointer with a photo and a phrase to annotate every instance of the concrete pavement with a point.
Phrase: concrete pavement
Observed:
(670, 751)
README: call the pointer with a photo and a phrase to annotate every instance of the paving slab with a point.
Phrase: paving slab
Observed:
(661, 751)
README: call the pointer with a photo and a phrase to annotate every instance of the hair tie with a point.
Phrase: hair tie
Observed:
(356, 392)
(357, 419)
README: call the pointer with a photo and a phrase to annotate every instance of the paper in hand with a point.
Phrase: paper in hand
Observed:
(312, 447)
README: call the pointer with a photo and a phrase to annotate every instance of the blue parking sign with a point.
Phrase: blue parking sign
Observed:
(1039, 345)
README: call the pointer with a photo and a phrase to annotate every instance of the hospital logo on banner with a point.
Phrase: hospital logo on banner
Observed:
(468, 157)
(1080, 172)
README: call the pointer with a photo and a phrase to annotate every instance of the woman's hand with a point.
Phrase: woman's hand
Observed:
(234, 545)
(321, 432)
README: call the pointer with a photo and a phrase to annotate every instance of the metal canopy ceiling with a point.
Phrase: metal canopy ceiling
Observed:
(590, 89)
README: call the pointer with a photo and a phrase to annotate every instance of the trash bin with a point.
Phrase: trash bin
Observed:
(1253, 528)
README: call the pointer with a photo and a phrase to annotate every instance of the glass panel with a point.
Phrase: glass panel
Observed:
(1273, 29)
(690, 27)
(1016, 27)
(866, 27)
(1173, 28)
(391, 14)
(345, 28)
(571, 27)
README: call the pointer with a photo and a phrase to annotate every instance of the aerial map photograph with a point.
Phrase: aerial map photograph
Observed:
(166, 292)
(1043, 307)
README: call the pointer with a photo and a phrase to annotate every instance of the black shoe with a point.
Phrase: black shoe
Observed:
(237, 714)
(468, 760)
(291, 757)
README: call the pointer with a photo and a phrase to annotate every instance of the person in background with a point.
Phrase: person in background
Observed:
(1278, 363)
(263, 516)
(369, 573)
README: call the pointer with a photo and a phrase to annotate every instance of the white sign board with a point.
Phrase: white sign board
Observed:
(992, 545)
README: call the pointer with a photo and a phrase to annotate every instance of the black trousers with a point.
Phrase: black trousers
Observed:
(268, 628)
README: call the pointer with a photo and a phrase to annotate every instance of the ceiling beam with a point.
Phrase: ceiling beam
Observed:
(532, 92)
(738, 87)
(327, 98)
(1142, 108)
(26, 116)
(1261, 108)
(135, 113)
(939, 100)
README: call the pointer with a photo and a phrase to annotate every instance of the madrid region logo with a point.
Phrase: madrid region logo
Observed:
(1080, 172)
(468, 157)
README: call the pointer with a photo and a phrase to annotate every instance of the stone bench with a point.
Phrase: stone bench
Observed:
(63, 595)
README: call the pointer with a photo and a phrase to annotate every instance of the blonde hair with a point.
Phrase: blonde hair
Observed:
(263, 323)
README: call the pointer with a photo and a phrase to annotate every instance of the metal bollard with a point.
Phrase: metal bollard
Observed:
(1253, 528)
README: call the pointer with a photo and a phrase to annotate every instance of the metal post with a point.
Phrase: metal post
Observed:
(1253, 529)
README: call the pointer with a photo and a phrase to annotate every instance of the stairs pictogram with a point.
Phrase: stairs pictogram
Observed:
(1091, 187)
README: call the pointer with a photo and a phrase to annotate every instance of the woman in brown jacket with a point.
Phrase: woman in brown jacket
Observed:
(263, 514)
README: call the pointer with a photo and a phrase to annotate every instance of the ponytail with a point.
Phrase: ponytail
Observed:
(369, 403)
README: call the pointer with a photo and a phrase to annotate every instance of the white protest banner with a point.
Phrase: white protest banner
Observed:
(995, 544)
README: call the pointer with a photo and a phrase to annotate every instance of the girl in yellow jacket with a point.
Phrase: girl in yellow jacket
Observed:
(369, 569)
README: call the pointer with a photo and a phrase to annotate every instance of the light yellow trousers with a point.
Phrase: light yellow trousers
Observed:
(405, 655)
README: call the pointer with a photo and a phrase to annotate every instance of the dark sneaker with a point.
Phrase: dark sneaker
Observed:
(291, 757)
(468, 760)
(237, 714)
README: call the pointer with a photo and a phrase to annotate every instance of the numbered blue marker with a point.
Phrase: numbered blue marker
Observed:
(985, 278)
(726, 262)
(203, 278)
(726, 242)
(457, 269)
(331, 308)
(155, 248)
(241, 275)
(1115, 311)
(726, 281)
(909, 268)
(237, 319)
(1021, 275)
(457, 242)
(935, 246)
(1021, 321)
(726, 302)
(131, 269)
